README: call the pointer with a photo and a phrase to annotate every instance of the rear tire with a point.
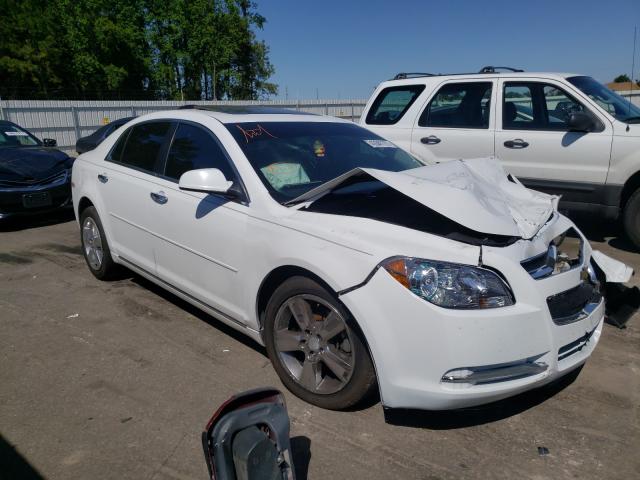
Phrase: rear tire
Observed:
(95, 247)
(315, 346)
(631, 218)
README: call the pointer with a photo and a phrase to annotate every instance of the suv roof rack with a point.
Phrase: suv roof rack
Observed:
(244, 109)
(491, 69)
(403, 75)
(487, 69)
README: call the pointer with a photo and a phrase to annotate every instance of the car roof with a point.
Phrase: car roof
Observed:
(241, 114)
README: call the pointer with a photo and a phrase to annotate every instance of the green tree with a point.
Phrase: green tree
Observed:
(30, 54)
(191, 49)
(622, 78)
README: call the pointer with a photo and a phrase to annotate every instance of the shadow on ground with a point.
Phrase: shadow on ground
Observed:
(196, 312)
(462, 418)
(622, 303)
(13, 465)
(598, 229)
(19, 223)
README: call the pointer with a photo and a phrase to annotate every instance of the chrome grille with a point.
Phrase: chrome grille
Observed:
(574, 304)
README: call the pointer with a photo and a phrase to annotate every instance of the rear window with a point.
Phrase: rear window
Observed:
(392, 103)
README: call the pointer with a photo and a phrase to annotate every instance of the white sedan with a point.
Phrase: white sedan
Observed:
(357, 267)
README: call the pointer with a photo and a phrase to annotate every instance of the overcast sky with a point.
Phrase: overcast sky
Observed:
(345, 48)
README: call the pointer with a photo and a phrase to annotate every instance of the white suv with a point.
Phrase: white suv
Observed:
(351, 261)
(558, 133)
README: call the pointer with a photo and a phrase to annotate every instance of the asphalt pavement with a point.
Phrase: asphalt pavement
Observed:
(117, 380)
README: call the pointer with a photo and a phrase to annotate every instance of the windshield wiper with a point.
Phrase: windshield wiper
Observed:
(293, 202)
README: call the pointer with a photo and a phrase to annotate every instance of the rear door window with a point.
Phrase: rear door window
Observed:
(142, 147)
(518, 110)
(392, 103)
(459, 105)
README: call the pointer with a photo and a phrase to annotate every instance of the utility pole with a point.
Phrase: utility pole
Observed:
(214, 80)
(633, 66)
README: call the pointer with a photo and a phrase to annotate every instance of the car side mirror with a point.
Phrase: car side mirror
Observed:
(580, 122)
(49, 142)
(248, 438)
(207, 180)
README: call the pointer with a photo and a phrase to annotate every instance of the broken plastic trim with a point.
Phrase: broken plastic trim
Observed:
(263, 409)
(547, 264)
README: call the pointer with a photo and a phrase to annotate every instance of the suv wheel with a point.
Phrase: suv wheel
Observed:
(95, 246)
(631, 218)
(315, 347)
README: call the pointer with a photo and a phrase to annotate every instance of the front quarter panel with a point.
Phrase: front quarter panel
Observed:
(625, 153)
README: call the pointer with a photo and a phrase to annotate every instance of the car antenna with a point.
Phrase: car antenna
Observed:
(480, 257)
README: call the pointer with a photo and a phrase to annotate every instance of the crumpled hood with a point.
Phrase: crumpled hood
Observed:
(475, 193)
(31, 162)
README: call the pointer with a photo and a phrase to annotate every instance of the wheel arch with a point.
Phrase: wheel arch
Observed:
(280, 274)
(83, 204)
(274, 279)
(630, 186)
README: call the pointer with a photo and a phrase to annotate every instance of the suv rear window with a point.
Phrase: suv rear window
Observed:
(392, 103)
(459, 105)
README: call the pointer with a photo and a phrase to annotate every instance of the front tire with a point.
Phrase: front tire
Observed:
(631, 218)
(95, 247)
(316, 348)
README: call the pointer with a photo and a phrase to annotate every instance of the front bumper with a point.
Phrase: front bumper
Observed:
(415, 344)
(12, 198)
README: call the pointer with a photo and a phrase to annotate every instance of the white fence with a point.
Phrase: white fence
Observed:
(67, 120)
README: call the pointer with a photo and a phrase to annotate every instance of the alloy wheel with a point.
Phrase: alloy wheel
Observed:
(92, 243)
(314, 344)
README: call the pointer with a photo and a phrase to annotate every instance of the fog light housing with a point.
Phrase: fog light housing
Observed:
(503, 372)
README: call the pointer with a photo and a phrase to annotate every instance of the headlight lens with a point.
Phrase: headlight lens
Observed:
(450, 285)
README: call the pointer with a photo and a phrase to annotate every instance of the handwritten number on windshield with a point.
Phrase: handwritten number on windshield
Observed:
(250, 134)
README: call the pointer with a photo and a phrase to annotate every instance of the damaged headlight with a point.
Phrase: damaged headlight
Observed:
(450, 285)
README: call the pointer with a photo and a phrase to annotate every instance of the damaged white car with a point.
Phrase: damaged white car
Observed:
(358, 267)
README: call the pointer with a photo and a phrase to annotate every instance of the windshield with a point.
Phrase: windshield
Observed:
(621, 108)
(291, 158)
(14, 136)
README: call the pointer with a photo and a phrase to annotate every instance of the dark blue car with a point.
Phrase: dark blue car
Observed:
(34, 176)
(90, 142)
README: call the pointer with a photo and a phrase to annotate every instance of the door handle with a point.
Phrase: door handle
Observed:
(103, 178)
(430, 140)
(159, 197)
(516, 143)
